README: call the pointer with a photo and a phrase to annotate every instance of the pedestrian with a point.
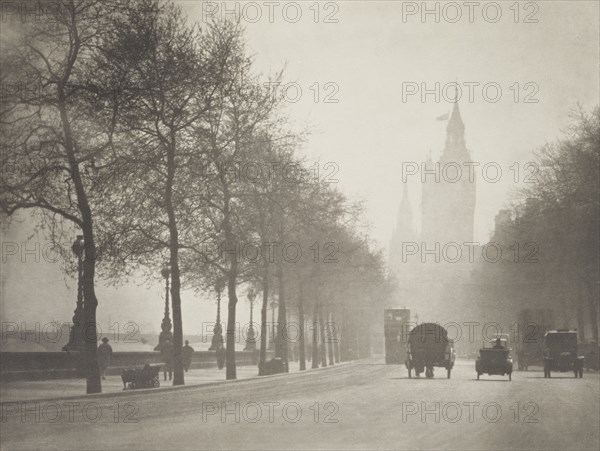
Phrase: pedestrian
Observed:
(220, 353)
(105, 353)
(186, 354)
(166, 353)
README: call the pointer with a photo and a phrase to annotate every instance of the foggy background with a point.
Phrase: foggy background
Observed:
(370, 131)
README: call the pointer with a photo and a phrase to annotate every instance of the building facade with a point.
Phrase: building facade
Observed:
(432, 268)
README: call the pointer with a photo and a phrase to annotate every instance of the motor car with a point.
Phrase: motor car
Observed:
(560, 353)
(494, 359)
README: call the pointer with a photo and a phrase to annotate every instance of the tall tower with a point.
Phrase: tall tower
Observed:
(448, 195)
(436, 286)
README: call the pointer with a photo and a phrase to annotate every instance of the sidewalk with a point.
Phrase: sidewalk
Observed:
(58, 388)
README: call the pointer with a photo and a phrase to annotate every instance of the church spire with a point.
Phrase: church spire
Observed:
(455, 122)
(455, 132)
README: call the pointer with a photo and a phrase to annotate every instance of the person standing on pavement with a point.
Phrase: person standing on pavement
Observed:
(220, 353)
(105, 353)
(187, 352)
(166, 353)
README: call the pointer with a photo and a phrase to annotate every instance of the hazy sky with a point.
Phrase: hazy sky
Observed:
(363, 60)
(371, 51)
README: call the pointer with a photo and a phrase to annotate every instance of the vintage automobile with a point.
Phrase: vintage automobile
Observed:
(495, 359)
(560, 352)
(428, 347)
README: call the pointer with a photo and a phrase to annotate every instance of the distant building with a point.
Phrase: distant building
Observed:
(448, 202)
(432, 267)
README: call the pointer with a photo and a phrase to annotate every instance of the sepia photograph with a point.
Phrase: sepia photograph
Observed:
(299, 225)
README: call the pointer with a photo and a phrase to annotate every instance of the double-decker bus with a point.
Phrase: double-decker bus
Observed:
(396, 328)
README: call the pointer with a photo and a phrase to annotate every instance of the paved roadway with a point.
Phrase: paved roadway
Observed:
(353, 406)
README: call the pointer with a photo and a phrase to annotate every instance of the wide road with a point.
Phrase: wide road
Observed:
(353, 406)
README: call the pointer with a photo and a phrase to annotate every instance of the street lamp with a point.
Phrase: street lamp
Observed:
(75, 340)
(217, 338)
(165, 326)
(251, 339)
(274, 304)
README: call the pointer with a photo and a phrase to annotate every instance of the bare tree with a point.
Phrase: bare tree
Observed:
(52, 145)
(168, 75)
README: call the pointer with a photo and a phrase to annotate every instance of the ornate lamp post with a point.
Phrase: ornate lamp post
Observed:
(251, 338)
(166, 325)
(217, 338)
(76, 337)
(274, 304)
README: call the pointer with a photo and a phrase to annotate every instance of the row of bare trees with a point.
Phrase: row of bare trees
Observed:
(551, 233)
(153, 137)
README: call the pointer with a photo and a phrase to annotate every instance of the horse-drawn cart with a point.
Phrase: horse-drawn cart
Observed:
(429, 346)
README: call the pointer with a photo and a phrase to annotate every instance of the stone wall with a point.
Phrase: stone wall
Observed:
(62, 365)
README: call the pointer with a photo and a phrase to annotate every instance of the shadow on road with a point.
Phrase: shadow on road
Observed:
(553, 377)
(417, 378)
(490, 380)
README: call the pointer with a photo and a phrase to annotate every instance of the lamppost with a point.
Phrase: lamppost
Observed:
(251, 338)
(165, 326)
(217, 338)
(274, 304)
(75, 340)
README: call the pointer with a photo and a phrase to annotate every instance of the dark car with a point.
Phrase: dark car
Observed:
(560, 352)
(428, 347)
(495, 360)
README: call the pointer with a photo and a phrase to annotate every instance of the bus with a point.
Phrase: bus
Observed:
(396, 326)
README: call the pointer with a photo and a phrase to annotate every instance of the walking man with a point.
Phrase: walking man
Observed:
(105, 353)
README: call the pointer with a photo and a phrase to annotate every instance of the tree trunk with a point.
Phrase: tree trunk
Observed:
(281, 342)
(230, 369)
(178, 378)
(264, 331)
(335, 352)
(581, 315)
(93, 379)
(175, 273)
(231, 250)
(324, 339)
(315, 338)
(345, 338)
(90, 302)
(592, 301)
(301, 343)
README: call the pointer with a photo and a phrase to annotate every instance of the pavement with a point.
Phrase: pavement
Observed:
(361, 405)
(69, 388)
